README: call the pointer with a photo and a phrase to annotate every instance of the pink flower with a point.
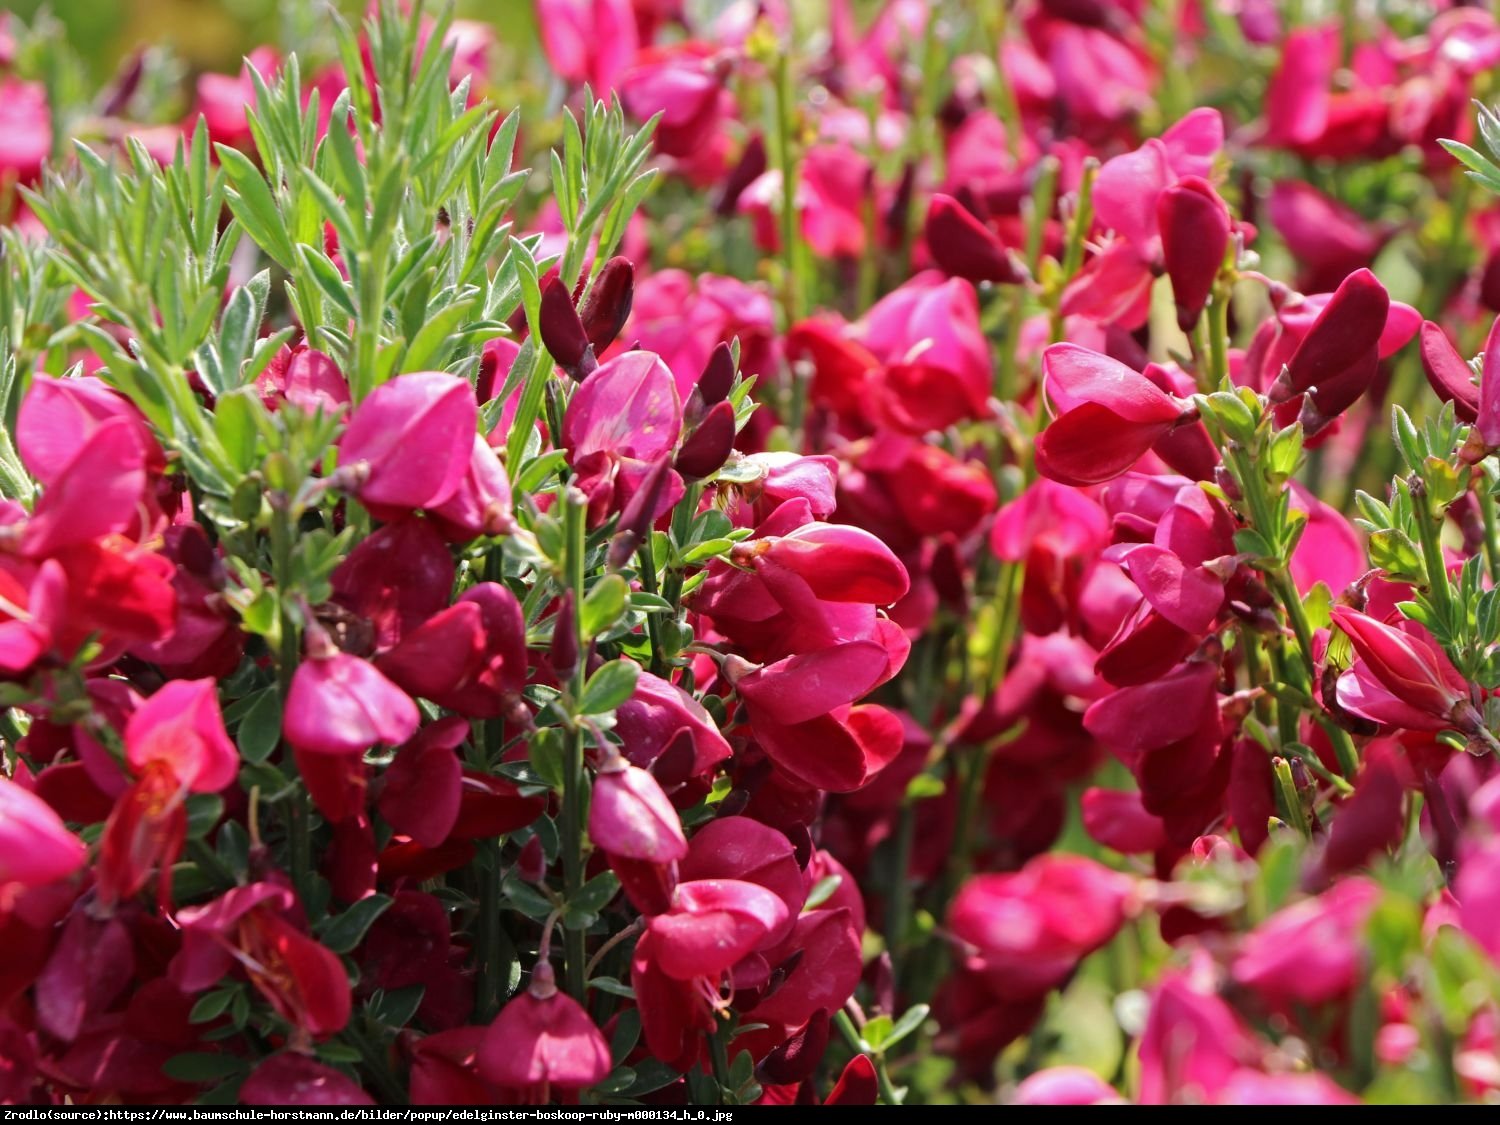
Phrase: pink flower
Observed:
(35, 847)
(1193, 1043)
(1108, 416)
(181, 725)
(543, 1038)
(409, 443)
(1401, 677)
(340, 704)
(1310, 952)
(1028, 930)
(293, 1079)
(588, 40)
(25, 129)
(630, 816)
(1064, 1085)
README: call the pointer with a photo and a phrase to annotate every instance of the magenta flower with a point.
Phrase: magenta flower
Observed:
(964, 247)
(409, 443)
(1028, 930)
(541, 1040)
(35, 847)
(630, 816)
(1400, 677)
(1311, 952)
(340, 704)
(1108, 416)
(181, 726)
(293, 1079)
(1064, 1085)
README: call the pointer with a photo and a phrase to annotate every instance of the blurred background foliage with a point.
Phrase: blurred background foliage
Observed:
(213, 35)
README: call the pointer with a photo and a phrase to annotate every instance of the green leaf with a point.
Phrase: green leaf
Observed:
(603, 605)
(397, 1007)
(344, 932)
(613, 987)
(595, 895)
(651, 1075)
(910, 1020)
(612, 685)
(255, 207)
(201, 1067)
(204, 811)
(259, 731)
(234, 422)
(430, 348)
(822, 891)
(212, 1005)
(1248, 541)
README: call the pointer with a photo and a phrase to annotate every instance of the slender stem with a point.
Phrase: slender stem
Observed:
(299, 812)
(613, 943)
(647, 555)
(1218, 337)
(1491, 547)
(378, 1067)
(575, 946)
(1432, 556)
(1288, 789)
(719, 1055)
(898, 907)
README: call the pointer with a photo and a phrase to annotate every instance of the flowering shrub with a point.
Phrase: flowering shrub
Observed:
(839, 556)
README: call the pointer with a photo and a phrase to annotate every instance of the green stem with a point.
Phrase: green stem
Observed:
(299, 813)
(898, 908)
(647, 556)
(574, 940)
(1491, 548)
(1290, 797)
(719, 1055)
(1218, 338)
(1432, 556)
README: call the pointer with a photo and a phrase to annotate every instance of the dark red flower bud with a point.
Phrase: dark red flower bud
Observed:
(532, 862)
(717, 379)
(1194, 238)
(964, 247)
(752, 164)
(1450, 376)
(798, 1057)
(1337, 358)
(708, 447)
(607, 306)
(562, 331)
(564, 637)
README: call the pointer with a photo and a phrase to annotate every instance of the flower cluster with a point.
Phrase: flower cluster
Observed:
(877, 573)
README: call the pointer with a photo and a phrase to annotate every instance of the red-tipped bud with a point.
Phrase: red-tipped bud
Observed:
(1194, 238)
(1337, 358)
(607, 306)
(717, 379)
(1450, 376)
(564, 652)
(708, 447)
(964, 247)
(562, 331)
